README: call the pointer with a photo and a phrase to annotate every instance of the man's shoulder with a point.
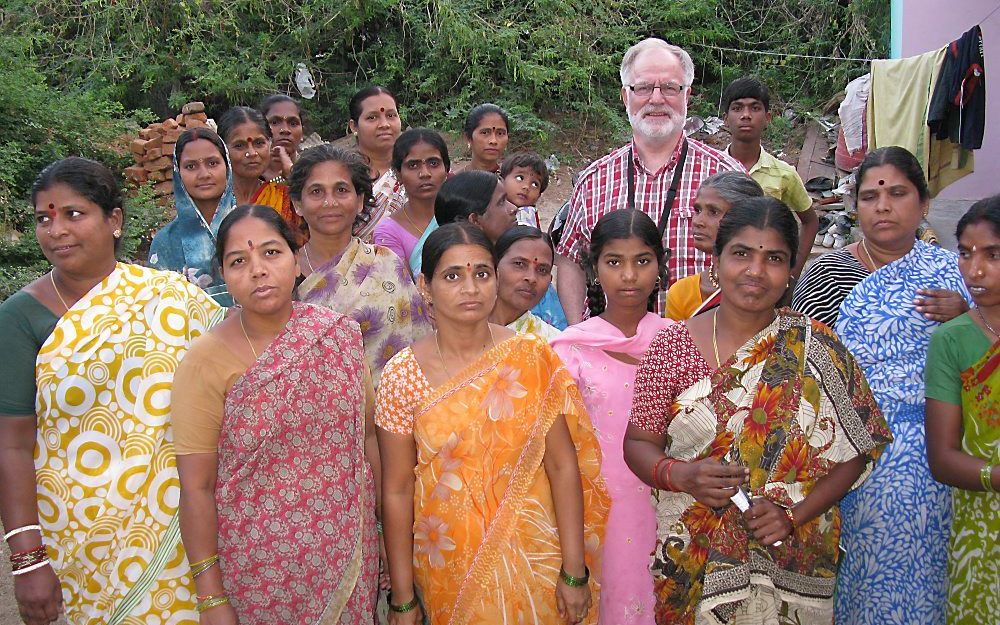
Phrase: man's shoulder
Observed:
(768, 160)
(713, 158)
(609, 161)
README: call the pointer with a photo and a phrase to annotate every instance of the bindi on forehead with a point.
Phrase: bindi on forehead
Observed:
(250, 244)
(881, 182)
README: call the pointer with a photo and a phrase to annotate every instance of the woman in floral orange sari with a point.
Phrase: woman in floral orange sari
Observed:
(502, 520)
(750, 424)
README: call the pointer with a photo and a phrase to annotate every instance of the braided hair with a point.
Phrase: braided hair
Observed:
(622, 224)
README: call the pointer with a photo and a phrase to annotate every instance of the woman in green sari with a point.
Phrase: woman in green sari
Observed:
(963, 421)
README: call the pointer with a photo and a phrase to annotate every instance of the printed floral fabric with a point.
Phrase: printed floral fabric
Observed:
(486, 544)
(974, 563)
(897, 524)
(528, 323)
(789, 404)
(295, 495)
(372, 285)
(278, 197)
(389, 197)
(107, 482)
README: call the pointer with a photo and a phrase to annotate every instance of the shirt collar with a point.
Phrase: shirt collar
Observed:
(670, 164)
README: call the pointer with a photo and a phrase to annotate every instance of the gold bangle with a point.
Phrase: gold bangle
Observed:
(211, 601)
(986, 477)
(203, 565)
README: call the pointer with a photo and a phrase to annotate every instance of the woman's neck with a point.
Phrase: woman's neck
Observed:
(462, 343)
(490, 166)
(740, 325)
(321, 248)
(266, 326)
(504, 314)
(879, 256)
(207, 208)
(378, 162)
(420, 210)
(245, 188)
(625, 318)
(74, 286)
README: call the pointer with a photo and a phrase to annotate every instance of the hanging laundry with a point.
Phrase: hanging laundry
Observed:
(958, 107)
(852, 111)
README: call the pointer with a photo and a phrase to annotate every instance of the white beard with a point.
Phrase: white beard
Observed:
(660, 127)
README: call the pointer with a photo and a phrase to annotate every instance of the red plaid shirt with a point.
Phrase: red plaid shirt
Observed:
(603, 187)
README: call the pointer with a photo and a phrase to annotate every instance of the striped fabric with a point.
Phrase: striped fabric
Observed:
(825, 283)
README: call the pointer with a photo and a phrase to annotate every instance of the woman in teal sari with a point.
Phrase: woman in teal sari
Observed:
(963, 422)
(203, 193)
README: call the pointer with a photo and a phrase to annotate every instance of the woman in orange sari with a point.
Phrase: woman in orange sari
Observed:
(502, 520)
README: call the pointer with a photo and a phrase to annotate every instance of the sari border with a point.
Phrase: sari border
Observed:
(171, 538)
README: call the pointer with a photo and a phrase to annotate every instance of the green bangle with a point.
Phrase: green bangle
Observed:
(405, 607)
(576, 582)
(986, 477)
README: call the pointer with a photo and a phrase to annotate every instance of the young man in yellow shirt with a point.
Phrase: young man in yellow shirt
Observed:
(746, 105)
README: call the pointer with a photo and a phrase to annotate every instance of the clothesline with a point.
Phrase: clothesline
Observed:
(800, 56)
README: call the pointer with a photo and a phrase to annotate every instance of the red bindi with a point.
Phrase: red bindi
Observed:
(381, 109)
(881, 182)
(250, 244)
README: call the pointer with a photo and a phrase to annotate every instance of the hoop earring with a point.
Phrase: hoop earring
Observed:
(597, 282)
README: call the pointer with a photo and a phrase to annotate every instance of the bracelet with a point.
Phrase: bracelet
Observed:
(203, 565)
(575, 582)
(670, 482)
(378, 526)
(404, 607)
(656, 471)
(211, 601)
(986, 477)
(26, 528)
(31, 568)
(30, 557)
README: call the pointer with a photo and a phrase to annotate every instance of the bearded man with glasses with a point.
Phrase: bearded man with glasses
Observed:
(657, 172)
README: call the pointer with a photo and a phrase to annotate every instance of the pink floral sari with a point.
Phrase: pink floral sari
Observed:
(295, 494)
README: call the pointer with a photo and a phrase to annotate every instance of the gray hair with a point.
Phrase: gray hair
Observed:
(653, 43)
(733, 186)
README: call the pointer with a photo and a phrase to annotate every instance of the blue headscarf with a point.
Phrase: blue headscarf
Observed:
(187, 244)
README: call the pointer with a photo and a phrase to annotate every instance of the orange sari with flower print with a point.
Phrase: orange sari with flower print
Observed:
(789, 404)
(486, 544)
(277, 196)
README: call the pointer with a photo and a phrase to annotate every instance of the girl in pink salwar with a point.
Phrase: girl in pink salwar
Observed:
(625, 264)
(272, 430)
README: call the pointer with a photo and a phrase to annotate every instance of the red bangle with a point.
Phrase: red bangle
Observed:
(670, 482)
(656, 472)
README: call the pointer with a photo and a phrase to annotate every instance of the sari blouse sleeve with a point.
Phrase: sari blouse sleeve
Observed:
(198, 398)
(401, 387)
(654, 385)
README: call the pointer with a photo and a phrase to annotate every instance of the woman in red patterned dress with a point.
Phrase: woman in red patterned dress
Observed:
(275, 443)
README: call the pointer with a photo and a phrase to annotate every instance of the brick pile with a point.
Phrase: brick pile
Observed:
(153, 151)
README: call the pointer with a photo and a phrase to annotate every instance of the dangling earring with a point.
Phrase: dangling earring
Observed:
(713, 277)
(656, 285)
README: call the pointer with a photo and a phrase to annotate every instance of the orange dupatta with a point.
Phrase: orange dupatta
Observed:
(486, 544)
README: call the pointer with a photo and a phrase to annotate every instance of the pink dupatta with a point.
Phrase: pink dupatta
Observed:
(295, 494)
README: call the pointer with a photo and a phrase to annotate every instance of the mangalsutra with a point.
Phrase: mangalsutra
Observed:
(986, 323)
(247, 336)
(437, 345)
(715, 339)
(305, 250)
(871, 260)
(52, 278)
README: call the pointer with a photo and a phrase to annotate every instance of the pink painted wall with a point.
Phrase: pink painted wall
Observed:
(930, 24)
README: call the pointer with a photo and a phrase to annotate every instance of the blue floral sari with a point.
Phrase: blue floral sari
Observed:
(187, 244)
(896, 525)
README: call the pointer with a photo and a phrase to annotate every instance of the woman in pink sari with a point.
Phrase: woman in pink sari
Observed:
(273, 432)
(625, 265)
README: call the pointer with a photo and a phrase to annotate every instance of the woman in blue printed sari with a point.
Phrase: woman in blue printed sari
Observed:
(203, 193)
(896, 524)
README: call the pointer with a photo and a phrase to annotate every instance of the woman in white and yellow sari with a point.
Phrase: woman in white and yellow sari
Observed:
(90, 495)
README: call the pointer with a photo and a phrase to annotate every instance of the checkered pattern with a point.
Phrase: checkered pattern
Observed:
(603, 187)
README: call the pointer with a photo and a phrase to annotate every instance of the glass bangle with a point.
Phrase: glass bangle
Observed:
(986, 477)
(575, 582)
(403, 607)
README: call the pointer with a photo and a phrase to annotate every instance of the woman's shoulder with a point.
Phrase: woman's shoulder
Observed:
(959, 328)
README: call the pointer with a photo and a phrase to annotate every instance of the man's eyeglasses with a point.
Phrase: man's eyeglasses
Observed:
(667, 89)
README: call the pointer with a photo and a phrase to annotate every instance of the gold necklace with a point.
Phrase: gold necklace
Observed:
(871, 260)
(407, 216)
(715, 338)
(986, 323)
(305, 250)
(58, 294)
(437, 345)
(247, 336)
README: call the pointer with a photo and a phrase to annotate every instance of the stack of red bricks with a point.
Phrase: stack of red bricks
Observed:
(153, 151)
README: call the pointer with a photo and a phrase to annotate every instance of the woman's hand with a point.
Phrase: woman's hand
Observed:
(220, 615)
(278, 152)
(940, 304)
(768, 522)
(709, 481)
(39, 597)
(573, 602)
(413, 617)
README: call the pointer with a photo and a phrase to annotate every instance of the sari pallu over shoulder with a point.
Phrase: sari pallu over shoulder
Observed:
(789, 405)
(373, 286)
(486, 544)
(107, 482)
(295, 495)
